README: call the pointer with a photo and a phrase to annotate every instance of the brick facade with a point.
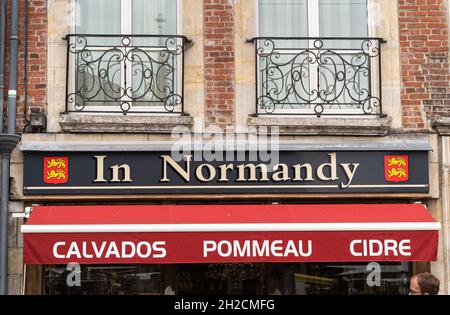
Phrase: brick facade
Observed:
(219, 63)
(425, 73)
(424, 57)
(37, 59)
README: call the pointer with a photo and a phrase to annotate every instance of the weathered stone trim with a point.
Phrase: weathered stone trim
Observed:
(375, 126)
(393, 143)
(95, 123)
(442, 125)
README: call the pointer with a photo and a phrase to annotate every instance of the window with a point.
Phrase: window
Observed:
(156, 17)
(332, 278)
(315, 57)
(313, 18)
(125, 56)
(104, 280)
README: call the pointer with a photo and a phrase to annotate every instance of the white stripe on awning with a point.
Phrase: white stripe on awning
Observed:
(231, 227)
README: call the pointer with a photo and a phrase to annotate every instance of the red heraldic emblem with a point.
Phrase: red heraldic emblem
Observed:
(396, 168)
(56, 170)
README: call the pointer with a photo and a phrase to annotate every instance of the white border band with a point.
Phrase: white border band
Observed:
(231, 227)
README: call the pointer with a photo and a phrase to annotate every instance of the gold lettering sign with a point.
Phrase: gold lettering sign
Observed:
(250, 172)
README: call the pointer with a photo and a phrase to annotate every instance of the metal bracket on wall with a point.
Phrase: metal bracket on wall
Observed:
(25, 214)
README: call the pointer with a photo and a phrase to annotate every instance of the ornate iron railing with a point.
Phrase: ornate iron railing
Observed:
(125, 73)
(318, 76)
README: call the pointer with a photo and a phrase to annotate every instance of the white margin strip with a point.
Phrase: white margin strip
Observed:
(212, 187)
(230, 227)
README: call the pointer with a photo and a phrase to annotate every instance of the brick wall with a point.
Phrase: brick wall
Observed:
(424, 58)
(219, 63)
(37, 45)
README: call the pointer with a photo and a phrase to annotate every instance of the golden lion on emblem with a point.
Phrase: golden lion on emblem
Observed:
(397, 172)
(58, 163)
(396, 161)
(58, 174)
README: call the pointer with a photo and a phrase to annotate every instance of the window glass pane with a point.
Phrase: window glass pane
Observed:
(286, 68)
(333, 278)
(343, 18)
(288, 18)
(155, 17)
(344, 84)
(154, 76)
(350, 278)
(97, 16)
(104, 280)
(98, 74)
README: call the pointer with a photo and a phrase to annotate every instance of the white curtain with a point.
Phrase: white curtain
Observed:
(343, 18)
(289, 18)
(98, 16)
(155, 17)
(286, 18)
(293, 18)
(148, 17)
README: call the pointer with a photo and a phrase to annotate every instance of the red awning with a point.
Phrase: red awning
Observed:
(153, 234)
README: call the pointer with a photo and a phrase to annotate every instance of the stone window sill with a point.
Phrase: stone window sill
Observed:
(442, 125)
(345, 126)
(96, 123)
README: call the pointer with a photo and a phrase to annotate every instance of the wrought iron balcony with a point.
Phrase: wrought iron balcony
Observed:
(318, 76)
(125, 73)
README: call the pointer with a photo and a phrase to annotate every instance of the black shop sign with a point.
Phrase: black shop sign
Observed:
(232, 172)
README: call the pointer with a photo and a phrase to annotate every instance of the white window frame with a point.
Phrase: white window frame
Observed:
(126, 21)
(314, 31)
